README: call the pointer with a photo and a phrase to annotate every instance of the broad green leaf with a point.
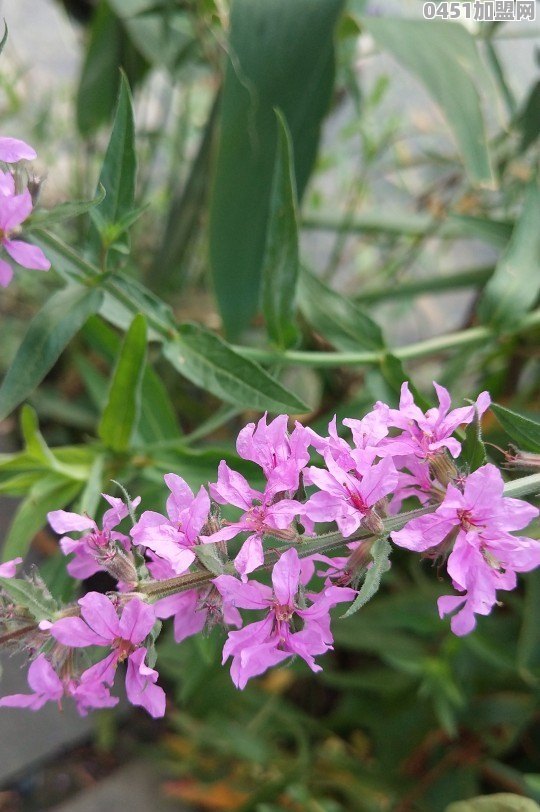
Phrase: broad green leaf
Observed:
(50, 331)
(473, 450)
(343, 323)
(380, 553)
(44, 218)
(281, 255)
(524, 431)
(499, 802)
(36, 599)
(280, 56)
(209, 362)
(515, 285)
(122, 411)
(118, 175)
(444, 57)
(109, 49)
(51, 492)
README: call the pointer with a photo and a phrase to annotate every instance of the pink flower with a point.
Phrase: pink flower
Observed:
(9, 568)
(196, 610)
(45, 684)
(14, 209)
(485, 556)
(172, 537)
(268, 642)
(99, 625)
(280, 455)
(349, 497)
(94, 550)
(13, 150)
(425, 435)
(261, 515)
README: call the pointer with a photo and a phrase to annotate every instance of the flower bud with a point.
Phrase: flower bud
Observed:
(442, 468)
(373, 522)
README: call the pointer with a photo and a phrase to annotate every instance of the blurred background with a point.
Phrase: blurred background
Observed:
(406, 211)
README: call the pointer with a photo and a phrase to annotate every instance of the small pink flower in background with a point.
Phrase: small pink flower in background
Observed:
(485, 556)
(425, 435)
(172, 537)
(268, 642)
(348, 497)
(99, 625)
(14, 209)
(94, 548)
(280, 455)
(261, 515)
(13, 150)
(9, 568)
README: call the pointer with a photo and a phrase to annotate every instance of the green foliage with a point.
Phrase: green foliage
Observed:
(444, 57)
(380, 564)
(34, 597)
(281, 256)
(280, 56)
(122, 411)
(523, 430)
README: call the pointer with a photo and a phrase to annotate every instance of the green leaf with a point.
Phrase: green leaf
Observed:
(281, 256)
(43, 218)
(37, 448)
(51, 492)
(529, 119)
(90, 496)
(391, 369)
(473, 450)
(122, 411)
(380, 553)
(36, 599)
(108, 49)
(500, 802)
(528, 646)
(50, 331)
(338, 319)
(281, 56)
(209, 362)
(524, 431)
(118, 175)
(515, 285)
(444, 57)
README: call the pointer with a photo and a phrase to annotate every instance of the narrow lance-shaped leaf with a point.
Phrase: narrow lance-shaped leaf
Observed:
(281, 258)
(281, 55)
(50, 331)
(515, 285)
(43, 218)
(343, 323)
(473, 450)
(36, 599)
(117, 177)
(122, 411)
(524, 431)
(209, 362)
(380, 553)
(444, 57)
(51, 492)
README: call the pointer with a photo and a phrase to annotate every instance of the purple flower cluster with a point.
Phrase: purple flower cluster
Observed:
(234, 548)
(15, 207)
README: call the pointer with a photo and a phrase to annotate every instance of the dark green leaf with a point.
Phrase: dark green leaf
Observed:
(51, 492)
(122, 411)
(524, 431)
(515, 285)
(281, 56)
(108, 50)
(444, 57)
(48, 334)
(90, 496)
(281, 257)
(528, 647)
(208, 361)
(118, 174)
(380, 553)
(36, 599)
(473, 451)
(43, 218)
(529, 119)
(338, 319)
(392, 370)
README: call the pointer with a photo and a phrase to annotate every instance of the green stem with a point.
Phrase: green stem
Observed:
(419, 349)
